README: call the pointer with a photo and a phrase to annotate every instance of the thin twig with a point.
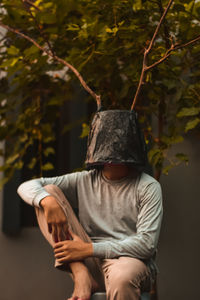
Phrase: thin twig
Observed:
(165, 27)
(158, 26)
(27, 7)
(147, 51)
(30, 3)
(56, 58)
(169, 52)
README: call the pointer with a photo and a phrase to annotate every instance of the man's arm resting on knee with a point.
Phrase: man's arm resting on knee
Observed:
(65, 249)
(55, 217)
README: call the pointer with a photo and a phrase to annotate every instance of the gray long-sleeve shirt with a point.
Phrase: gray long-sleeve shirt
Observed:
(122, 217)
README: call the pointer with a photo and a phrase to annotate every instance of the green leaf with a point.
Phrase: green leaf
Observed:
(137, 5)
(73, 27)
(155, 156)
(48, 139)
(177, 139)
(71, 125)
(19, 165)
(85, 130)
(32, 163)
(192, 124)
(3, 181)
(191, 111)
(13, 50)
(47, 18)
(169, 140)
(148, 77)
(167, 169)
(12, 158)
(48, 166)
(113, 30)
(23, 138)
(48, 151)
(182, 157)
(9, 62)
(32, 50)
(152, 152)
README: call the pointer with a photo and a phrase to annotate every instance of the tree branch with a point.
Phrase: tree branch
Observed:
(166, 30)
(27, 7)
(158, 26)
(147, 51)
(58, 59)
(169, 52)
(30, 3)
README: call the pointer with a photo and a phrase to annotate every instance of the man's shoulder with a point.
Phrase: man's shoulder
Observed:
(146, 180)
(79, 175)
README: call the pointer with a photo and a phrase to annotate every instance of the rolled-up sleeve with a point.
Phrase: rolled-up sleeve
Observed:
(33, 191)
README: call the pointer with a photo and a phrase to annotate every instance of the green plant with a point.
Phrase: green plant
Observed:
(105, 42)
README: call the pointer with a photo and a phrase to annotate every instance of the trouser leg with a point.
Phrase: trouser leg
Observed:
(92, 264)
(125, 277)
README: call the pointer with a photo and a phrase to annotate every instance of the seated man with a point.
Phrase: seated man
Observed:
(112, 243)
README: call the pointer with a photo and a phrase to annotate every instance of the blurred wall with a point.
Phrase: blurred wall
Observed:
(27, 267)
(27, 270)
(179, 246)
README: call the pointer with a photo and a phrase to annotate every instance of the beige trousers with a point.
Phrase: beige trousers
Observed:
(122, 277)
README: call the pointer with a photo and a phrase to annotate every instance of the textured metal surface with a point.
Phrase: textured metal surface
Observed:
(102, 296)
(99, 296)
(115, 137)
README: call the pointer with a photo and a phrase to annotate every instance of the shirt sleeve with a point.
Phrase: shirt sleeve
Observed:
(33, 191)
(143, 243)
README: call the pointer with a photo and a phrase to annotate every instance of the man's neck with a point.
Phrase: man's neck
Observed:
(116, 171)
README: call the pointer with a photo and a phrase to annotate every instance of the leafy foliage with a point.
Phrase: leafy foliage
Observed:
(105, 41)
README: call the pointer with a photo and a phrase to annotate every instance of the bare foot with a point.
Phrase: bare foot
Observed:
(84, 286)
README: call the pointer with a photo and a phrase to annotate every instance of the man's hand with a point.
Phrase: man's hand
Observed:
(72, 250)
(56, 219)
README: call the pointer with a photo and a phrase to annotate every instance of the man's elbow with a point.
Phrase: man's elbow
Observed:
(23, 191)
(149, 251)
(21, 188)
(149, 248)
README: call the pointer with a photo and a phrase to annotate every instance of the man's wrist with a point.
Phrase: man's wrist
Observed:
(44, 202)
(89, 249)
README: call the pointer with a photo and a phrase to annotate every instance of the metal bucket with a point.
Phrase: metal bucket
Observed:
(115, 137)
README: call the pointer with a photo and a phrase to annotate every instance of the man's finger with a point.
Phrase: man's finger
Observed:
(63, 259)
(65, 232)
(59, 255)
(57, 250)
(58, 245)
(50, 228)
(60, 233)
(54, 233)
(73, 235)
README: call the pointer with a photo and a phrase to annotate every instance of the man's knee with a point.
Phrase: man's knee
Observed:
(52, 188)
(126, 275)
(122, 279)
(122, 285)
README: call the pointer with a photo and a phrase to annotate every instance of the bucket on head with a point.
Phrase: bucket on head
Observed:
(115, 137)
